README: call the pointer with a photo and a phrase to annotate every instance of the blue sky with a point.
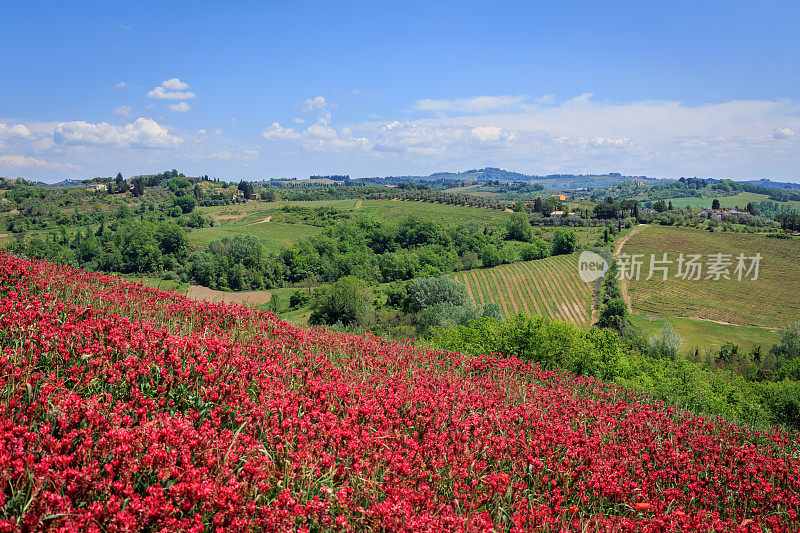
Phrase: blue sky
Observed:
(268, 89)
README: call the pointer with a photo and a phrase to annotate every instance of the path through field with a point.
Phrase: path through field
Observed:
(549, 287)
(198, 292)
(623, 284)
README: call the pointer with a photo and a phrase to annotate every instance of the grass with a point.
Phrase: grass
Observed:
(548, 287)
(707, 335)
(770, 301)
(726, 202)
(158, 283)
(274, 235)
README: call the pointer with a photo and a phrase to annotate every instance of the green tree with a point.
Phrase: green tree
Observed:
(427, 292)
(564, 242)
(518, 228)
(538, 249)
(614, 315)
(185, 203)
(347, 301)
(715, 204)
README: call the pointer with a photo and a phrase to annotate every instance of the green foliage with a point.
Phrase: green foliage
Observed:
(428, 292)
(549, 343)
(538, 249)
(298, 299)
(564, 242)
(666, 346)
(185, 203)
(518, 228)
(346, 302)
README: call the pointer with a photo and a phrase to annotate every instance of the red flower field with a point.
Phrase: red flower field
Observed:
(125, 408)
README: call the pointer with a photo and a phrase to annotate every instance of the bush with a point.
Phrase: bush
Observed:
(518, 228)
(347, 302)
(564, 242)
(428, 292)
(538, 249)
(298, 299)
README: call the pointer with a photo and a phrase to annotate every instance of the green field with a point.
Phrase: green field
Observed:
(773, 300)
(726, 202)
(274, 235)
(703, 334)
(545, 287)
(256, 218)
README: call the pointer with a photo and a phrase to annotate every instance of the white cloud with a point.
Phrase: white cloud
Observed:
(782, 133)
(24, 161)
(181, 107)
(56, 149)
(487, 133)
(478, 104)
(16, 130)
(121, 85)
(172, 89)
(278, 132)
(174, 84)
(318, 102)
(298, 120)
(123, 112)
(661, 138)
(142, 133)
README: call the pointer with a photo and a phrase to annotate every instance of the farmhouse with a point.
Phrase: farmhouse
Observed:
(560, 197)
(557, 214)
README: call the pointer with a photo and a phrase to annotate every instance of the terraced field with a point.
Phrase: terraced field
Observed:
(547, 287)
(773, 300)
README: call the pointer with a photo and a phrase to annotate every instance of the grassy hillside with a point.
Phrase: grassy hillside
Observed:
(726, 202)
(773, 300)
(267, 222)
(546, 287)
(129, 408)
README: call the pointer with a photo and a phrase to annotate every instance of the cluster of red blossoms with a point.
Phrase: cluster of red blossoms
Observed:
(126, 408)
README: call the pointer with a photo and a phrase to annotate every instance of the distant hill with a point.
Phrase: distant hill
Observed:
(551, 181)
(764, 182)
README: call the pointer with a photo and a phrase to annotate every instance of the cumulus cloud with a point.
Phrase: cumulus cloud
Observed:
(276, 131)
(121, 85)
(181, 107)
(14, 131)
(55, 149)
(728, 139)
(311, 104)
(172, 89)
(487, 133)
(142, 133)
(174, 84)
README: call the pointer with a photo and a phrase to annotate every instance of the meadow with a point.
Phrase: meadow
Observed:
(726, 202)
(547, 287)
(127, 408)
(771, 301)
(705, 335)
(263, 219)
